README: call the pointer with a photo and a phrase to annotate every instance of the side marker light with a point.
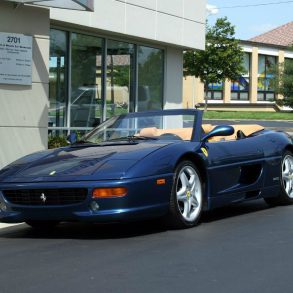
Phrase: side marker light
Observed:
(161, 181)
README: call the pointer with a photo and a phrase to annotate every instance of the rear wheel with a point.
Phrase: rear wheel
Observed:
(286, 182)
(187, 196)
(42, 225)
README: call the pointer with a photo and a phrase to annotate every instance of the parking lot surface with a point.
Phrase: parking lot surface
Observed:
(242, 248)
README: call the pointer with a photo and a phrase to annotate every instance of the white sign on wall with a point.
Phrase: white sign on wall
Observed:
(15, 59)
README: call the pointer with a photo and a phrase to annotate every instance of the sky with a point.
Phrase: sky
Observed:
(252, 21)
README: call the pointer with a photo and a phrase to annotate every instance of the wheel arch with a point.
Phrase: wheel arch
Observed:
(200, 165)
(198, 162)
(289, 147)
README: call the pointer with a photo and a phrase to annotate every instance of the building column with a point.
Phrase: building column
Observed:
(173, 84)
(253, 76)
(199, 93)
(281, 59)
(227, 92)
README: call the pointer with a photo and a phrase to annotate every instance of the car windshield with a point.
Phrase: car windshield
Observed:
(144, 126)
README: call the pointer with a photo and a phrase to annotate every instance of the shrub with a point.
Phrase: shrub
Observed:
(57, 142)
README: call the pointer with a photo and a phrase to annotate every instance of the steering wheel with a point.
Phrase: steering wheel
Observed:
(170, 136)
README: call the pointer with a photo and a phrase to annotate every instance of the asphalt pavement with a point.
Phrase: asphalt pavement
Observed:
(243, 248)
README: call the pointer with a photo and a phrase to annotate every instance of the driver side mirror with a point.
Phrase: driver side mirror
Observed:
(72, 138)
(220, 130)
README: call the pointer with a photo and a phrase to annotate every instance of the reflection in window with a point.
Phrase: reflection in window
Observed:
(266, 68)
(240, 88)
(135, 80)
(58, 78)
(120, 78)
(86, 81)
(215, 91)
(150, 78)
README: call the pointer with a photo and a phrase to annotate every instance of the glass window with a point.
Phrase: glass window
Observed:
(215, 91)
(83, 99)
(58, 78)
(150, 78)
(288, 62)
(266, 69)
(86, 81)
(120, 78)
(240, 88)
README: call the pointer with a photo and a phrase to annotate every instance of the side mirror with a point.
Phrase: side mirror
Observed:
(72, 138)
(220, 130)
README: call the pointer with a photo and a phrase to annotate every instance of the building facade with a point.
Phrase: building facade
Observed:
(254, 89)
(86, 66)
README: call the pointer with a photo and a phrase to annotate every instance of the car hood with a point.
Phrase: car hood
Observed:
(79, 162)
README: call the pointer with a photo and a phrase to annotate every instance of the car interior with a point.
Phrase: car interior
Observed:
(240, 132)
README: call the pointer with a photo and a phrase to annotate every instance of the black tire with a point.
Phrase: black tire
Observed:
(286, 194)
(43, 225)
(191, 200)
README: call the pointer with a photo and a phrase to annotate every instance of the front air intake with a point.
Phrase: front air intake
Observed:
(46, 197)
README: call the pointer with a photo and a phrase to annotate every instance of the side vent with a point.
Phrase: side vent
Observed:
(250, 173)
(252, 194)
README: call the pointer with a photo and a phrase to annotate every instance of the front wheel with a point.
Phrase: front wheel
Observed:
(187, 196)
(286, 182)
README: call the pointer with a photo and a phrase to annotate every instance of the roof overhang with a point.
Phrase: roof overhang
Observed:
(86, 5)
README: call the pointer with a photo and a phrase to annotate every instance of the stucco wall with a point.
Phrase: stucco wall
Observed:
(176, 22)
(24, 109)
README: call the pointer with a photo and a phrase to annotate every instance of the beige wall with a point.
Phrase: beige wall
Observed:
(24, 109)
(193, 92)
(253, 75)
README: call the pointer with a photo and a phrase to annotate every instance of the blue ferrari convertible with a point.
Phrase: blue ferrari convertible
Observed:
(161, 164)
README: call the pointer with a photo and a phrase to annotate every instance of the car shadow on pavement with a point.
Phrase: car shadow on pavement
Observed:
(235, 210)
(88, 231)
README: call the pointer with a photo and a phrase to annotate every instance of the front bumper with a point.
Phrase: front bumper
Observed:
(145, 199)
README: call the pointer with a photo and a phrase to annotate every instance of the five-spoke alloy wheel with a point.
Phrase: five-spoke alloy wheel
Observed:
(286, 182)
(187, 196)
(287, 175)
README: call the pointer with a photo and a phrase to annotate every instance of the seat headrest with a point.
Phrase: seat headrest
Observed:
(149, 132)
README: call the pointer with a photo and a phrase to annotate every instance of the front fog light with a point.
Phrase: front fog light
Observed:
(94, 206)
(3, 206)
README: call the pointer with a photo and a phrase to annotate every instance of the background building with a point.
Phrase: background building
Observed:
(124, 56)
(253, 91)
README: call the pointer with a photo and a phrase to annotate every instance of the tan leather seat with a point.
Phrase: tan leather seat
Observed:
(184, 133)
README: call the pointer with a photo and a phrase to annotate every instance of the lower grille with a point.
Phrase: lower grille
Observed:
(45, 197)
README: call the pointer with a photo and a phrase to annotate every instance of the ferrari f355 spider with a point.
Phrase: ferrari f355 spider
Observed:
(159, 164)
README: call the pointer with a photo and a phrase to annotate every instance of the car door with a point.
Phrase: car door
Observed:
(235, 166)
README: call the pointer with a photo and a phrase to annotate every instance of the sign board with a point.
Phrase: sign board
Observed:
(15, 59)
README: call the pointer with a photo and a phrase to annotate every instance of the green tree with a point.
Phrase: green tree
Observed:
(222, 58)
(284, 82)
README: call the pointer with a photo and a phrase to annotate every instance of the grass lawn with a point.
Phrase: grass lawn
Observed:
(248, 115)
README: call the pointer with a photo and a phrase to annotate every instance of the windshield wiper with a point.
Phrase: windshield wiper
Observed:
(132, 138)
